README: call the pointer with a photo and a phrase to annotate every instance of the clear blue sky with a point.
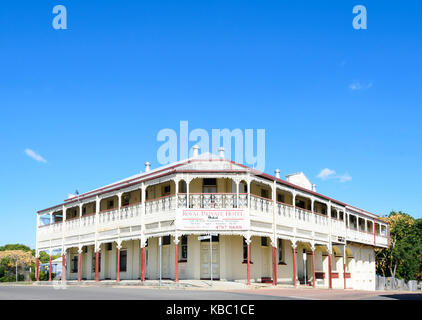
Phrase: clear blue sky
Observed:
(90, 100)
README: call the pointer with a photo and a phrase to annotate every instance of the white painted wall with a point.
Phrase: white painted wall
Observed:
(232, 268)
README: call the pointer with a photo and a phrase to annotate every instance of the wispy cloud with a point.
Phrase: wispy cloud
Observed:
(357, 85)
(345, 177)
(326, 173)
(32, 154)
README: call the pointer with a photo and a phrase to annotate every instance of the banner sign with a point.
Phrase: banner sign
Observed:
(210, 219)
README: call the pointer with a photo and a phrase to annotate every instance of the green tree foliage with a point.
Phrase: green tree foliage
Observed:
(404, 256)
(7, 264)
(17, 246)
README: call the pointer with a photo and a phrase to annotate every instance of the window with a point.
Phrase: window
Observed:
(280, 197)
(99, 262)
(109, 246)
(245, 252)
(85, 249)
(183, 187)
(83, 210)
(125, 200)
(110, 204)
(184, 248)
(214, 239)
(210, 182)
(280, 252)
(264, 193)
(300, 203)
(166, 190)
(166, 240)
(74, 268)
(264, 241)
(123, 260)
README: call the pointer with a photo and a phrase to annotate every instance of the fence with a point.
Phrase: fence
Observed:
(389, 283)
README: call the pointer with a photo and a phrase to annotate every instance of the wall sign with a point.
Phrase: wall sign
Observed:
(209, 219)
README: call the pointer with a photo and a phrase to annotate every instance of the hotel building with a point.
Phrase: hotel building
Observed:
(265, 229)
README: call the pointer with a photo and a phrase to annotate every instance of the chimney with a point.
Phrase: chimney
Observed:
(147, 166)
(195, 151)
(314, 187)
(221, 152)
(277, 173)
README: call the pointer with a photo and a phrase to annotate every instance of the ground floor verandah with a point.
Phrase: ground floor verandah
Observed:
(229, 258)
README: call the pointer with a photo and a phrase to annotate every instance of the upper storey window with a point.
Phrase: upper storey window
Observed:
(210, 182)
(264, 193)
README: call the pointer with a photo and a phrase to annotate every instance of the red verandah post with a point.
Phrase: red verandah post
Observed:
(118, 265)
(97, 256)
(330, 284)
(79, 266)
(64, 267)
(249, 267)
(49, 271)
(38, 269)
(143, 264)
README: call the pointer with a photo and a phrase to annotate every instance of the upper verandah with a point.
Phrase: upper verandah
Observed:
(206, 162)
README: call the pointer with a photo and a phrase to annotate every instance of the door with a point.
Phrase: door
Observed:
(266, 266)
(166, 262)
(208, 200)
(205, 260)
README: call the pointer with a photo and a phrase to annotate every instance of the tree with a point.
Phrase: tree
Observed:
(16, 246)
(402, 259)
(12, 259)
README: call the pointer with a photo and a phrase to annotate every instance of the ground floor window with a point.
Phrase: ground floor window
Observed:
(123, 260)
(245, 252)
(280, 252)
(184, 249)
(166, 240)
(74, 268)
(264, 241)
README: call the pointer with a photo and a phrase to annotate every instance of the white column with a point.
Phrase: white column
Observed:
(63, 225)
(64, 213)
(329, 219)
(176, 182)
(237, 193)
(249, 193)
(97, 210)
(119, 203)
(187, 192)
(274, 194)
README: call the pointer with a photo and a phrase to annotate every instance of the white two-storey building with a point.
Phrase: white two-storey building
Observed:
(265, 229)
